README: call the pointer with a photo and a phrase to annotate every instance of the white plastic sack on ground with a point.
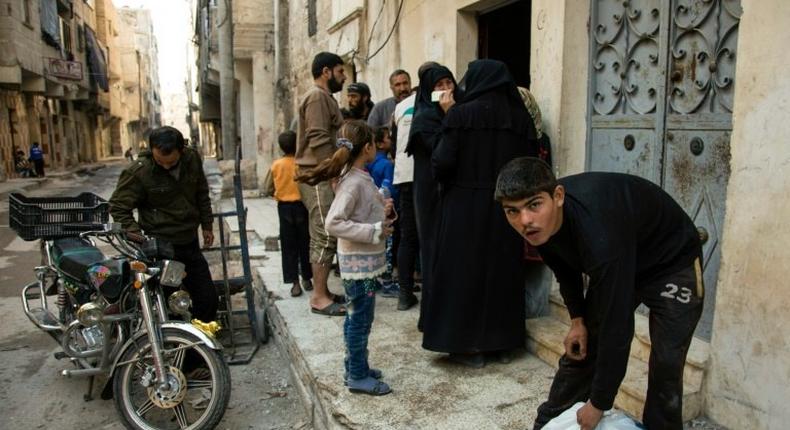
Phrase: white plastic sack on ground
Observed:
(612, 420)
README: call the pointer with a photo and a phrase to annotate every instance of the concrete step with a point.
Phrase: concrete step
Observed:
(696, 360)
(544, 339)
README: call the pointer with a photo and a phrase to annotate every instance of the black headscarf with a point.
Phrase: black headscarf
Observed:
(500, 105)
(427, 114)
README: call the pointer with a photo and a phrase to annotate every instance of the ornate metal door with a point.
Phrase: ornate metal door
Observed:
(660, 105)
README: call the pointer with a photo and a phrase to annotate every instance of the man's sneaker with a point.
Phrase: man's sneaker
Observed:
(390, 290)
(406, 300)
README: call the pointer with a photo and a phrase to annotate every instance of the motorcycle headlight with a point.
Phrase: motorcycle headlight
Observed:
(90, 314)
(172, 273)
(179, 302)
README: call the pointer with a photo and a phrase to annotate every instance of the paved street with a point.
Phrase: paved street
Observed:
(33, 395)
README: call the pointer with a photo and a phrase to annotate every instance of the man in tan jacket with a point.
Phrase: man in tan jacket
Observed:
(319, 120)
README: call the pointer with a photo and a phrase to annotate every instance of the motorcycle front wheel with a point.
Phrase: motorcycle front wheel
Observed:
(196, 396)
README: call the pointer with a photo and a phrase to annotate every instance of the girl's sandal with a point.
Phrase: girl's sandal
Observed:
(373, 373)
(369, 385)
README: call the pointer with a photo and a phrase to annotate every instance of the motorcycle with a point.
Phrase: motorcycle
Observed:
(112, 318)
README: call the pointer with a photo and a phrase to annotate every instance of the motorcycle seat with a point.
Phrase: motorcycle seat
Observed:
(73, 256)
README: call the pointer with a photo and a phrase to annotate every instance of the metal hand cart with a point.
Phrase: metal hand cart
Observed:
(241, 339)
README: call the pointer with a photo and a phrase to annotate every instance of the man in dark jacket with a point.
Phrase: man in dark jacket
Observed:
(168, 188)
(636, 245)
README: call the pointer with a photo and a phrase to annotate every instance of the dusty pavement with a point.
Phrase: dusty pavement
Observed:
(33, 395)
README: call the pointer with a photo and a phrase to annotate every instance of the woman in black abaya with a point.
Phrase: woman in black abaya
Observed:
(426, 130)
(477, 296)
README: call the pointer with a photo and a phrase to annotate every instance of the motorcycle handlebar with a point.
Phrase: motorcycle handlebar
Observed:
(101, 230)
(124, 242)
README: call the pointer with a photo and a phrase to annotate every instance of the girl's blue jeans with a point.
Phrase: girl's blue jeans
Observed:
(361, 306)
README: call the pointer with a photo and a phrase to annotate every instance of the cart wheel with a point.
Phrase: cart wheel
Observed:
(261, 325)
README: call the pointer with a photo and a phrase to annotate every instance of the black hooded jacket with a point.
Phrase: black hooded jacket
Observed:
(477, 301)
(426, 130)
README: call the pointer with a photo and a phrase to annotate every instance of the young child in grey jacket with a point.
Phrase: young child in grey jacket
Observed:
(361, 219)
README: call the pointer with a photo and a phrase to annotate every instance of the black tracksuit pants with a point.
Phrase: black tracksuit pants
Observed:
(675, 303)
(39, 164)
(198, 282)
(295, 241)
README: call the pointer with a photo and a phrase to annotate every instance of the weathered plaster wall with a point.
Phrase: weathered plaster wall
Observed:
(253, 52)
(246, 108)
(571, 138)
(302, 48)
(548, 24)
(750, 360)
(429, 32)
(263, 117)
(559, 72)
(20, 44)
(253, 22)
(376, 70)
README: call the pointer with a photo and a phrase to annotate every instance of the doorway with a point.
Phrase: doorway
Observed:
(504, 35)
(660, 106)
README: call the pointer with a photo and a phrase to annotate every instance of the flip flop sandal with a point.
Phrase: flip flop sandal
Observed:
(370, 386)
(332, 310)
(339, 298)
(373, 373)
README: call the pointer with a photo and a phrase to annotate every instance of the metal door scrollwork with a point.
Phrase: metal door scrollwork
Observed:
(625, 61)
(704, 35)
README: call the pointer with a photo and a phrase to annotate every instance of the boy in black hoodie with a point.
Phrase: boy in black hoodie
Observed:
(637, 245)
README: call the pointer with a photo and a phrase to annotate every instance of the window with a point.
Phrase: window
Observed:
(312, 18)
(80, 38)
(26, 12)
(65, 36)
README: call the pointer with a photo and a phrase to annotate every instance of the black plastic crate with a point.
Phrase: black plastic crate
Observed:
(55, 217)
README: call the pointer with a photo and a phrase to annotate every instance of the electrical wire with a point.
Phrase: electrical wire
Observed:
(224, 18)
(378, 18)
(392, 30)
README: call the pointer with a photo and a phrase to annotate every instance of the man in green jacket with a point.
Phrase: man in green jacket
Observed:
(168, 188)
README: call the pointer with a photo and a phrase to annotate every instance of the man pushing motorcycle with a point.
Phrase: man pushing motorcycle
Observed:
(168, 187)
